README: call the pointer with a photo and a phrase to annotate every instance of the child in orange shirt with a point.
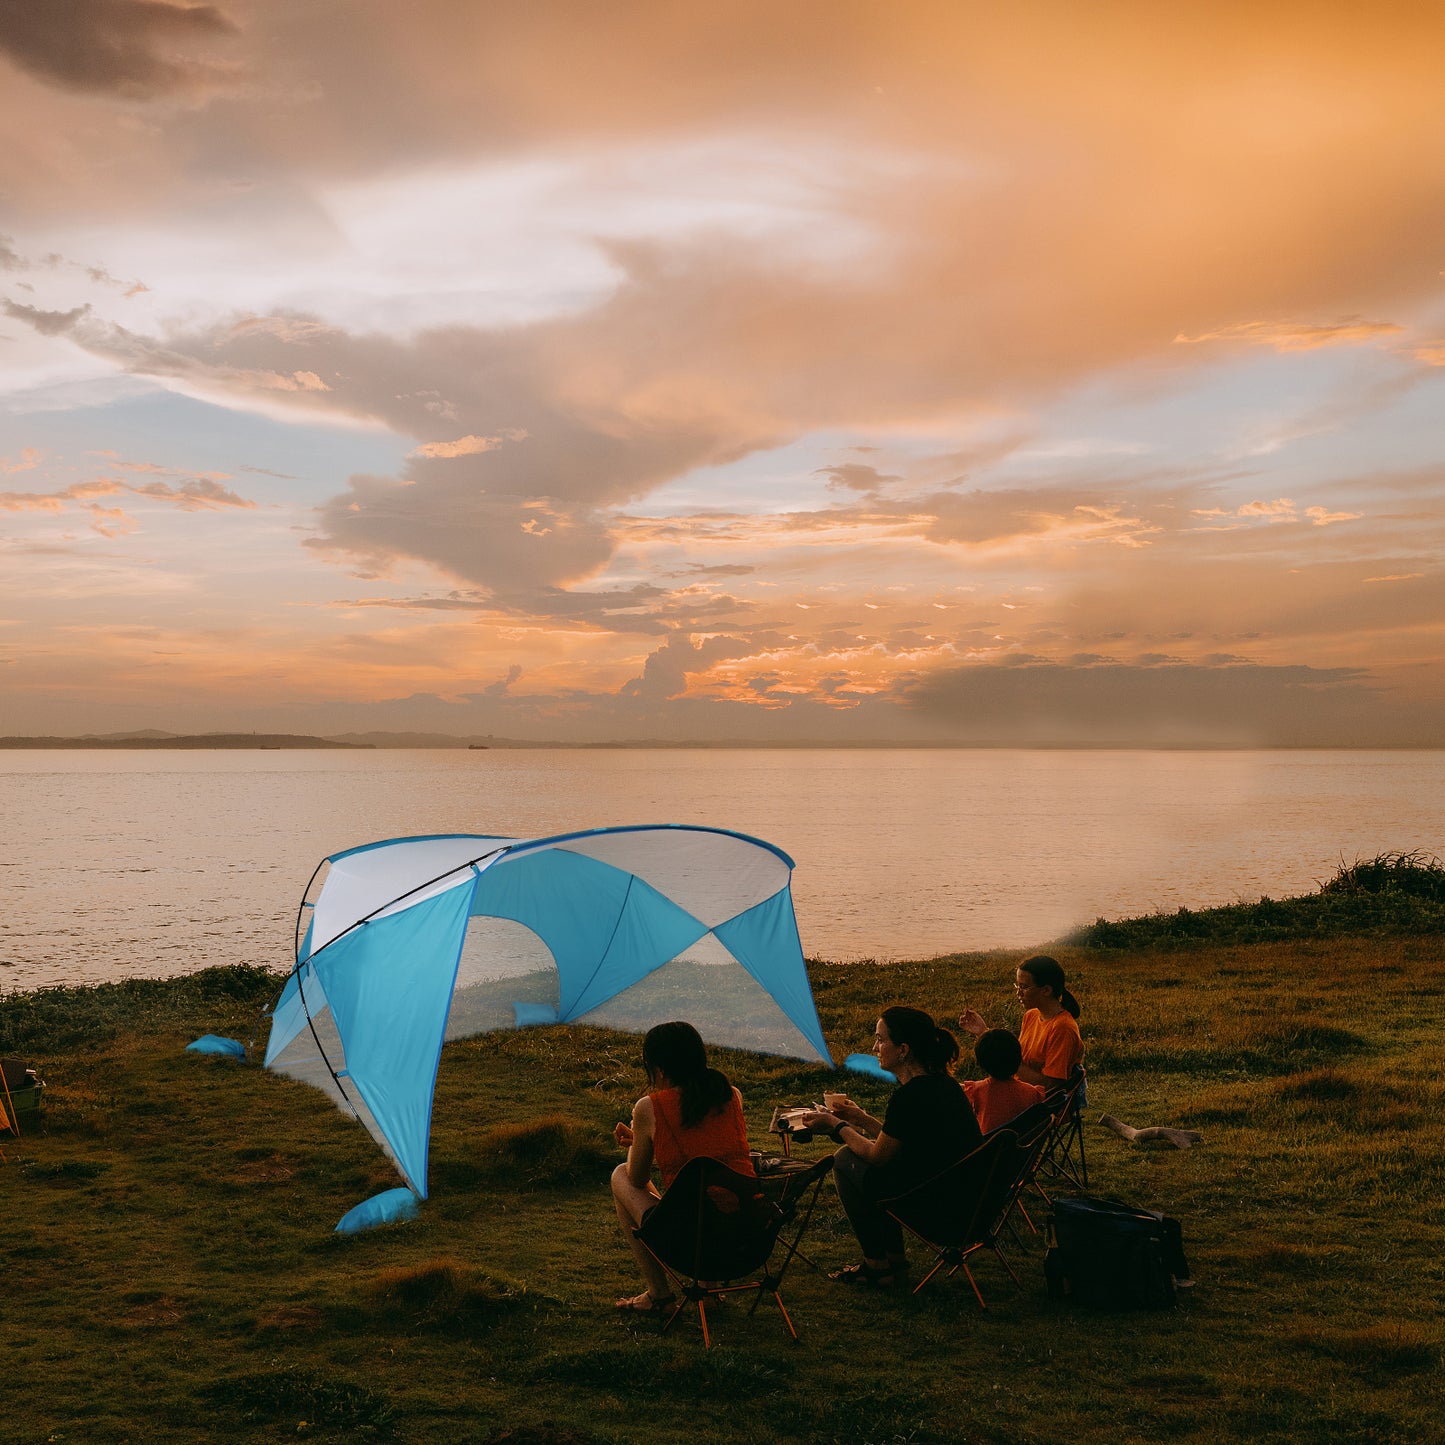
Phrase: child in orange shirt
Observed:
(1001, 1096)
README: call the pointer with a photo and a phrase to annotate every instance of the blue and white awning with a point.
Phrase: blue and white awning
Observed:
(365, 1013)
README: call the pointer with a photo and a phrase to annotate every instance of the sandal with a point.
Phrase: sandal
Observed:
(647, 1303)
(865, 1274)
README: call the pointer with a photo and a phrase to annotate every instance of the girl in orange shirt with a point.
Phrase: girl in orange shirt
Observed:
(690, 1111)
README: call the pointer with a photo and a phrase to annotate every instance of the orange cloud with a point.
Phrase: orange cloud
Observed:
(1281, 508)
(1293, 336)
(278, 381)
(466, 446)
(29, 459)
(195, 494)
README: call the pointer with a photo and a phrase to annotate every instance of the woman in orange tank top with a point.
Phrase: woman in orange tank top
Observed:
(690, 1111)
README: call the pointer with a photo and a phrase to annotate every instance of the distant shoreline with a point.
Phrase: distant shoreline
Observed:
(264, 741)
(441, 742)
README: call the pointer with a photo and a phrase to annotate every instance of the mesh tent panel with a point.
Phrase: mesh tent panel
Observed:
(709, 988)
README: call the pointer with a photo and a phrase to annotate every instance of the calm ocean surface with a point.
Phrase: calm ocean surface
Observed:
(159, 863)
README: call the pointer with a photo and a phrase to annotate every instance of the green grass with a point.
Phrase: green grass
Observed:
(1390, 895)
(171, 1273)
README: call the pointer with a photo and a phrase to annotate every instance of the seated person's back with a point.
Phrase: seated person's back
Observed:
(720, 1134)
(1001, 1096)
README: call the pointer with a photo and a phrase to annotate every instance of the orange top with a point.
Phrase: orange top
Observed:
(996, 1101)
(722, 1135)
(1052, 1046)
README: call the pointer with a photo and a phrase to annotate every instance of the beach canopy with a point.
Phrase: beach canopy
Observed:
(409, 942)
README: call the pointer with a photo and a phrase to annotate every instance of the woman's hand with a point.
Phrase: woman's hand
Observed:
(821, 1120)
(973, 1021)
(623, 1134)
(848, 1111)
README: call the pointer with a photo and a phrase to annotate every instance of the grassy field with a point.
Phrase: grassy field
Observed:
(171, 1273)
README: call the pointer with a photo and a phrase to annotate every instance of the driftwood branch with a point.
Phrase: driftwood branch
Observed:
(1179, 1138)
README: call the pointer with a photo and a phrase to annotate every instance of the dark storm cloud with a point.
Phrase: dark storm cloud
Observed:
(665, 673)
(131, 48)
(1168, 704)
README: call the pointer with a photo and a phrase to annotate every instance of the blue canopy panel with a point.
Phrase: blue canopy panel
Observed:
(390, 1021)
(765, 941)
(381, 1027)
(604, 928)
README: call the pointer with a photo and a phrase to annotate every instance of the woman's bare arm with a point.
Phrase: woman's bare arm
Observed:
(639, 1151)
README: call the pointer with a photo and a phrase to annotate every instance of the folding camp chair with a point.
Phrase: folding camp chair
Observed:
(1063, 1157)
(715, 1226)
(960, 1210)
(1034, 1127)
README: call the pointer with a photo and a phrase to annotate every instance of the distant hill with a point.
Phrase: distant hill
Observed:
(449, 740)
(416, 740)
(158, 740)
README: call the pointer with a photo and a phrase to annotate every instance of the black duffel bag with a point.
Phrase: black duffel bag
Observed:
(1113, 1256)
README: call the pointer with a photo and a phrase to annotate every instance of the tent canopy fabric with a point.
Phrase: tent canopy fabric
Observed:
(371, 999)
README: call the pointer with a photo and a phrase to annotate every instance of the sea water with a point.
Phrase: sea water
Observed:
(149, 863)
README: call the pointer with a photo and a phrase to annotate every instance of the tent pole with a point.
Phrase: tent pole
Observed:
(297, 966)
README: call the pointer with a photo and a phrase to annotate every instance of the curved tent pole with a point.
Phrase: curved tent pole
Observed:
(380, 908)
(270, 1008)
(303, 906)
(527, 845)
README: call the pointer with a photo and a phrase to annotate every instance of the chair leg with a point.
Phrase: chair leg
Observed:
(702, 1315)
(668, 1322)
(787, 1318)
(978, 1293)
(791, 1250)
(937, 1265)
(1003, 1260)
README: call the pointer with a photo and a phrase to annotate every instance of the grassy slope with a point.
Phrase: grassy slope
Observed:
(171, 1273)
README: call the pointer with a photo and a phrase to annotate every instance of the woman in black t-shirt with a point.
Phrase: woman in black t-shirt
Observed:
(928, 1125)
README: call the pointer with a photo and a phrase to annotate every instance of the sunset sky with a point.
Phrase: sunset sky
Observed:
(800, 370)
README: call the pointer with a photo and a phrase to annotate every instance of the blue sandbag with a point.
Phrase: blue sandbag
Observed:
(534, 1013)
(868, 1065)
(214, 1044)
(390, 1207)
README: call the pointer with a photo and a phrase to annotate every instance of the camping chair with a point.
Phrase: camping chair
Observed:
(960, 1210)
(714, 1226)
(1034, 1127)
(1063, 1160)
